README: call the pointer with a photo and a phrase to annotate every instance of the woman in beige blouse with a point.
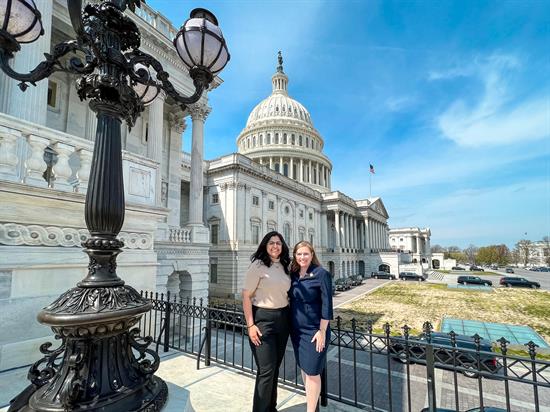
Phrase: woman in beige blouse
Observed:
(265, 306)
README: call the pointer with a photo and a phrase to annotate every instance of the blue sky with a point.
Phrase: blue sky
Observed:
(449, 100)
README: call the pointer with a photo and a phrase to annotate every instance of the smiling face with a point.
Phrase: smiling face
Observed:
(274, 247)
(303, 256)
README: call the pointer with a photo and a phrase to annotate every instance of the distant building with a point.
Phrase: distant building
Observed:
(412, 241)
(539, 252)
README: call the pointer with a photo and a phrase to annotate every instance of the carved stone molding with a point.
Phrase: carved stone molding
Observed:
(13, 234)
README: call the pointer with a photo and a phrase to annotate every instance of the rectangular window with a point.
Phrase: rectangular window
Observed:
(214, 229)
(52, 94)
(215, 198)
(301, 213)
(255, 200)
(213, 273)
(310, 216)
(255, 234)
(271, 205)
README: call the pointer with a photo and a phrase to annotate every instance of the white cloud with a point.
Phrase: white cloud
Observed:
(401, 103)
(499, 117)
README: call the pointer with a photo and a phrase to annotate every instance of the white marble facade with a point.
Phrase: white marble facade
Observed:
(414, 242)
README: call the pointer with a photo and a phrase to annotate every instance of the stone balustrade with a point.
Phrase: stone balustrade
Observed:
(179, 235)
(157, 20)
(39, 156)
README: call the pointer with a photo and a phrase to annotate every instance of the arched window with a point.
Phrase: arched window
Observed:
(285, 169)
(300, 140)
(254, 141)
(293, 139)
(276, 138)
(307, 141)
(269, 138)
(248, 143)
(284, 138)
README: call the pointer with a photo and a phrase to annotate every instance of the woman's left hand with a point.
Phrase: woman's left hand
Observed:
(319, 339)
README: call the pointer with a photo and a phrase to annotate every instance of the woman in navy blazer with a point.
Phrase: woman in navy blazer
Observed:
(311, 310)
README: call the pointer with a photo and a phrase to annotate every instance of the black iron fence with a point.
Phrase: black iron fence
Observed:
(389, 371)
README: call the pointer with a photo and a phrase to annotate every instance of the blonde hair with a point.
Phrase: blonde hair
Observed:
(294, 266)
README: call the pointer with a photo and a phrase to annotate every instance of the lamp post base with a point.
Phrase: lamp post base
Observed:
(100, 364)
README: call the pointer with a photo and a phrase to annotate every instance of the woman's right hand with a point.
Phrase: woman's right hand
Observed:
(254, 334)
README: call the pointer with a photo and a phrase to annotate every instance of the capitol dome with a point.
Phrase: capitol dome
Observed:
(280, 133)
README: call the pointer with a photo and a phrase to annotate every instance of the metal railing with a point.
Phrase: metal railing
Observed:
(388, 370)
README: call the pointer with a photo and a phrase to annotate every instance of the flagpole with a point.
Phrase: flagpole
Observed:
(370, 185)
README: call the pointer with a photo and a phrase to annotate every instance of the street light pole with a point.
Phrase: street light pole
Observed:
(100, 365)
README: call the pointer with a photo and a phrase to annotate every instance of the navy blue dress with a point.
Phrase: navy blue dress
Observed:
(310, 301)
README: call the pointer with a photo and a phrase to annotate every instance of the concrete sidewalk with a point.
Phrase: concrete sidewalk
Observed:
(209, 389)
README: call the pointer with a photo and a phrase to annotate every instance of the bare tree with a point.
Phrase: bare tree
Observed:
(470, 253)
(546, 249)
(437, 249)
(523, 248)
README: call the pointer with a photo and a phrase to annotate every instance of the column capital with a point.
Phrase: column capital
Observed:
(199, 111)
(176, 119)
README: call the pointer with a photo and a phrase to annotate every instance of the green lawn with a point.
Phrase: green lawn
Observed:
(400, 303)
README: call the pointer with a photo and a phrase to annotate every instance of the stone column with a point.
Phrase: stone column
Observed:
(337, 230)
(281, 164)
(310, 173)
(346, 229)
(154, 141)
(291, 168)
(32, 105)
(6, 84)
(263, 228)
(271, 162)
(198, 112)
(355, 239)
(9, 160)
(177, 127)
(301, 170)
(324, 231)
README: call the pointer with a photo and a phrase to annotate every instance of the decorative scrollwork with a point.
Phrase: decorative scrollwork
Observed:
(145, 365)
(200, 78)
(39, 375)
(51, 64)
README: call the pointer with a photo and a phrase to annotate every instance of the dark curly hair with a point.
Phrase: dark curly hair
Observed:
(261, 252)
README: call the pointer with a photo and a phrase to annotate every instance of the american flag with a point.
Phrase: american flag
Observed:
(371, 168)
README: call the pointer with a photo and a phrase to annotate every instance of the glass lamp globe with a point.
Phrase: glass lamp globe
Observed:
(200, 43)
(21, 20)
(146, 91)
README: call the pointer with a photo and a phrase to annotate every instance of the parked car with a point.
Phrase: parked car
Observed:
(509, 270)
(473, 280)
(411, 276)
(510, 281)
(356, 280)
(341, 284)
(494, 267)
(457, 268)
(476, 269)
(383, 275)
(467, 359)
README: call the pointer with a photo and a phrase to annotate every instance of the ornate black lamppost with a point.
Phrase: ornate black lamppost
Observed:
(99, 365)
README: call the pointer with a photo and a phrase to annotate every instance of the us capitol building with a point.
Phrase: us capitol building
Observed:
(191, 225)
